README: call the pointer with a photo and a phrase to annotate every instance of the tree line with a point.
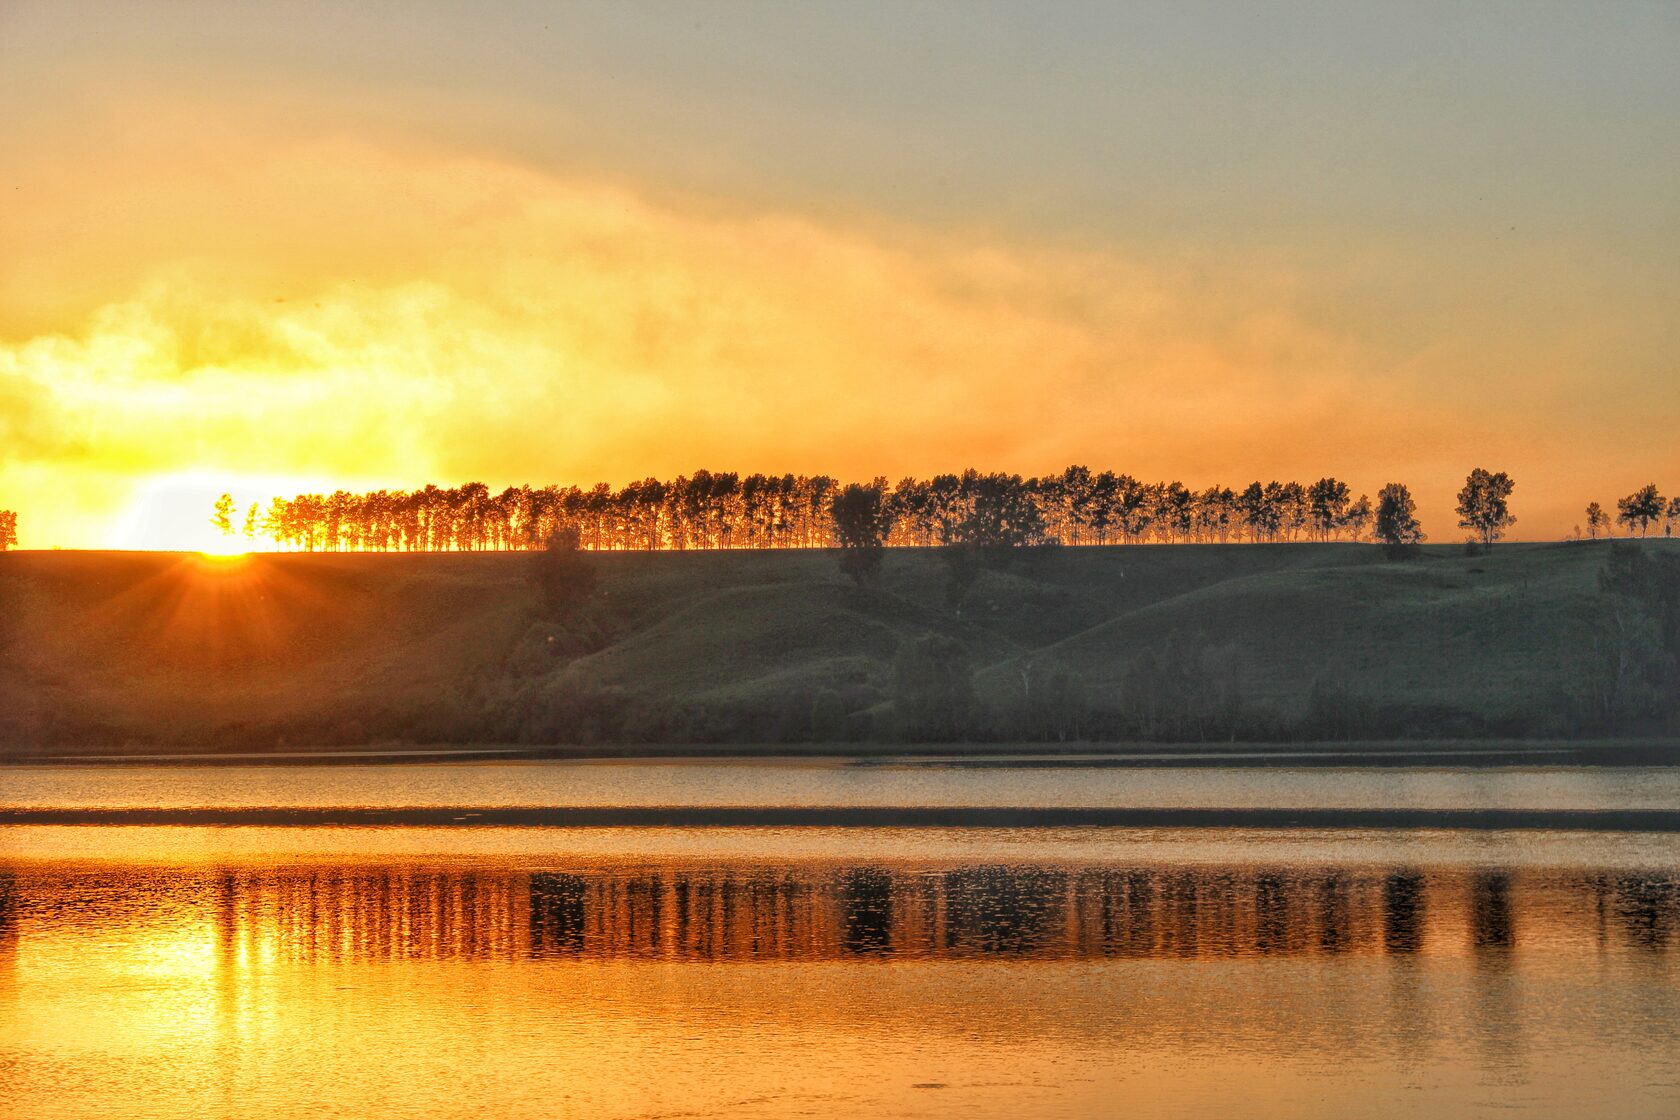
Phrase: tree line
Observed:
(1637, 513)
(723, 510)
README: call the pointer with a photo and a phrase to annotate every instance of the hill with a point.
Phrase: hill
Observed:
(1172, 642)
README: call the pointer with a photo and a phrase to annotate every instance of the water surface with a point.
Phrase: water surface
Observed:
(791, 782)
(507, 973)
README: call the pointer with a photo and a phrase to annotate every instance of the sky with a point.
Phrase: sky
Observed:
(274, 248)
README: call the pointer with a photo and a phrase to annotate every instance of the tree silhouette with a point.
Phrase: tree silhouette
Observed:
(1640, 509)
(1597, 521)
(1327, 506)
(1671, 516)
(8, 530)
(1000, 514)
(988, 514)
(564, 577)
(861, 523)
(1483, 505)
(1358, 518)
(1397, 523)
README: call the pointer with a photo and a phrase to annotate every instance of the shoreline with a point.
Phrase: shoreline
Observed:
(987, 817)
(1374, 754)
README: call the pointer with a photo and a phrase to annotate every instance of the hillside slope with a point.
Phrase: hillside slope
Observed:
(1186, 642)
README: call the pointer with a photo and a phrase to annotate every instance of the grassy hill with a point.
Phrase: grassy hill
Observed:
(1161, 642)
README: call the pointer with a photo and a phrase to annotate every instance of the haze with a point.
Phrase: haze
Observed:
(392, 245)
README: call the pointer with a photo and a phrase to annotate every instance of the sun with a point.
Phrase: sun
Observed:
(172, 513)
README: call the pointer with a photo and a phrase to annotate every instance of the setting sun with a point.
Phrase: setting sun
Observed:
(174, 512)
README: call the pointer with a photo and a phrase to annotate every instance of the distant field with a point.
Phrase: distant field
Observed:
(1180, 642)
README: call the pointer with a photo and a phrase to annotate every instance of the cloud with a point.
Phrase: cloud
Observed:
(226, 301)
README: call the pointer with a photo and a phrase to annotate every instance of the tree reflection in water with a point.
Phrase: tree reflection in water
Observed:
(822, 912)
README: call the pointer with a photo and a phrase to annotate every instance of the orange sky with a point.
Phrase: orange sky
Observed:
(307, 255)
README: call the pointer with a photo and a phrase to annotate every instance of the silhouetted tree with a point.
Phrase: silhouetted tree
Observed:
(992, 514)
(1327, 506)
(1597, 521)
(1256, 512)
(962, 568)
(564, 577)
(1357, 520)
(1483, 505)
(1000, 513)
(1640, 509)
(8, 530)
(1397, 523)
(1671, 516)
(861, 523)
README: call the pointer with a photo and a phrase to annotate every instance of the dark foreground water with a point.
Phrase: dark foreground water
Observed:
(275, 973)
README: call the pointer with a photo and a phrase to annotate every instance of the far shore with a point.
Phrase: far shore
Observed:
(1363, 754)
(985, 817)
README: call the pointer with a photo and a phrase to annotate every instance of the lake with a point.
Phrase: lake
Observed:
(1011, 972)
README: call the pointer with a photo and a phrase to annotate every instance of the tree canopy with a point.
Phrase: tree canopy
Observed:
(1397, 523)
(861, 525)
(1598, 522)
(708, 510)
(1484, 505)
(1641, 509)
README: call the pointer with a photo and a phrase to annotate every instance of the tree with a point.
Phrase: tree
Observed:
(252, 518)
(1640, 508)
(1053, 704)
(933, 689)
(1597, 521)
(861, 523)
(1357, 519)
(1001, 514)
(1653, 579)
(1671, 517)
(1169, 692)
(1327, 506)
(1483, 505)
(1637, 641)
(564, 576)
(1397, 523)
(222, 519)
(8, 530)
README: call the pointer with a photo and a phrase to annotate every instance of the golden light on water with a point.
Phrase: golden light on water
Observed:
(621, 987)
